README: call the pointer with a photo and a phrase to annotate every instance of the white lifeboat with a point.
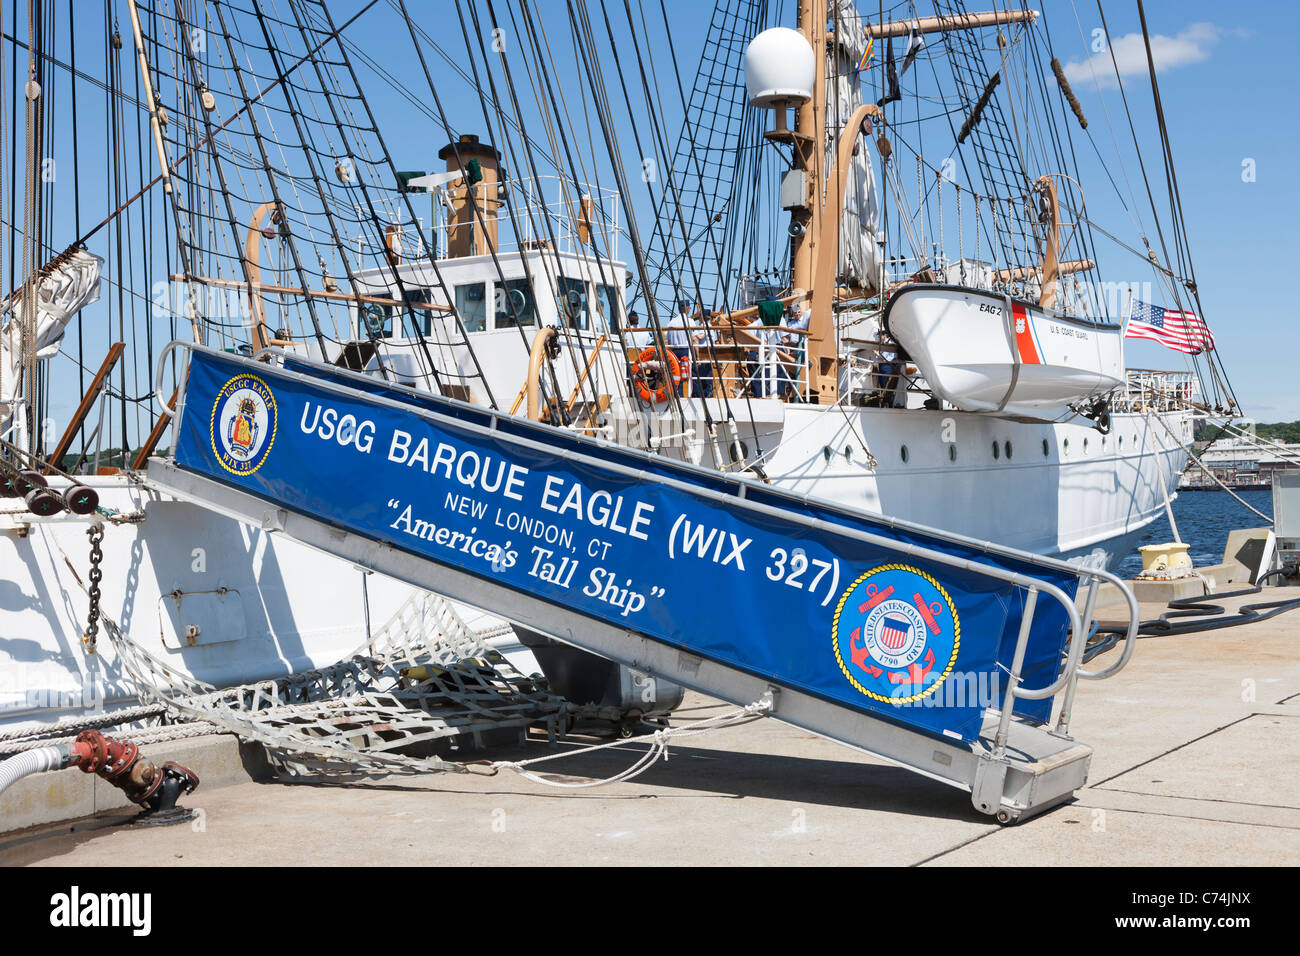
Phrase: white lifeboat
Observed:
(986, 352)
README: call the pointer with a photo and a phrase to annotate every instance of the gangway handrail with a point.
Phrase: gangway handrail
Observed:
(739, 497)
(1130, 638)
(170, 410)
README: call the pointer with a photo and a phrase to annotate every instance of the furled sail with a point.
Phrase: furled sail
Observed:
(859, 251)
(60, 293)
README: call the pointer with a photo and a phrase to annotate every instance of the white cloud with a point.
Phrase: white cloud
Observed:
(1192, 44)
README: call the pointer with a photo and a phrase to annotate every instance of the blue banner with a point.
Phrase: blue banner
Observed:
(810, 608)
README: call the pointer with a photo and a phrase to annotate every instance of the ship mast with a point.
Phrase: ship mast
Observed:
(805, 224)
(810, 241)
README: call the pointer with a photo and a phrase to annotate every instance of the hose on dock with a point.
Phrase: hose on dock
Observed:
(154, 788)
(33, 761)
(1205, 616)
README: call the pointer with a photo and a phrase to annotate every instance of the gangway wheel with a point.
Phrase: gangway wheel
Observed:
(638, 726)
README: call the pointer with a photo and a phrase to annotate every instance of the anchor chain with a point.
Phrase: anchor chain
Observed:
(91, 637)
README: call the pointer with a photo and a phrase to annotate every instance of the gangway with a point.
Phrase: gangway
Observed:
(930, 650)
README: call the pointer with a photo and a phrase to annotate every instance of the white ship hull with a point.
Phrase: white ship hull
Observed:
(285, 607)
(1061, 490)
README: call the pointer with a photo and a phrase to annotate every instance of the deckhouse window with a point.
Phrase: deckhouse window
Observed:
(471, 303)
(607, 299)
(377, 320)
(514, 304)
(575, 311)
(416, 317)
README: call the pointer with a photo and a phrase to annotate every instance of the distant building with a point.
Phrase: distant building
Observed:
(1242, 464)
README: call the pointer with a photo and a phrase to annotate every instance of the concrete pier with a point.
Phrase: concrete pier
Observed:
(1197, 744)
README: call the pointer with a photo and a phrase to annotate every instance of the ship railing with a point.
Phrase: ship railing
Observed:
(545, 213)
(765, 370)
(1155, 390)
(903, 269)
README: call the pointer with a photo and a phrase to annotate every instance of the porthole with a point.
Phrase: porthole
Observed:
(1045, 451)
(1121, 441)
(952, 452)
(995, 451)
(902, 453)
(1085, 446)
(1006, 448)
(1065, 446)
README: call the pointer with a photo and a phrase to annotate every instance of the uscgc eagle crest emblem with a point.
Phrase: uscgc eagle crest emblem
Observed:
(243, 424)
(896, 634)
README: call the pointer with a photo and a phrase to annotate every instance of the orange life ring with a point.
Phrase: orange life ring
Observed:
(647, 374)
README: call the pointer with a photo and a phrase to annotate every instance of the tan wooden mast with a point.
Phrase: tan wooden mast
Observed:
(814, 245)
(1022, 273)
(806, 244)
(828, 243)
(1046, 185)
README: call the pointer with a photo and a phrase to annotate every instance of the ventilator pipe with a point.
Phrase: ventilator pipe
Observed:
(33, 761)
(536, 357)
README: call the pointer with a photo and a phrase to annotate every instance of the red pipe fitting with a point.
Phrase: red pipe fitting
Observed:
(119, 762)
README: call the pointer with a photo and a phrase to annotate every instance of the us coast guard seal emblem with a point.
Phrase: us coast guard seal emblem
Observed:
(896, 634)
(243, 424)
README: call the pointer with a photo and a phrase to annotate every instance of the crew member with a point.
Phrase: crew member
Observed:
(637, 337)
(704, 341)
(760, 361)
(800, 317)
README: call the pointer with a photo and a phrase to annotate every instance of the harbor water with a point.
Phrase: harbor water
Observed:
(1204, 520)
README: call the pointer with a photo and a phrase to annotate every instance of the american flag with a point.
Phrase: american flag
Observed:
(1181, 331)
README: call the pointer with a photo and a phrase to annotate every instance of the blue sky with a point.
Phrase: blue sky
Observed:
(1229, 90)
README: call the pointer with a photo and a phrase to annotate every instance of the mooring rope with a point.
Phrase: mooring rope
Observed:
(658, 747)
(147, 735)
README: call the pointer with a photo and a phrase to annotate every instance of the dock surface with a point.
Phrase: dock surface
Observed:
(1197, 746)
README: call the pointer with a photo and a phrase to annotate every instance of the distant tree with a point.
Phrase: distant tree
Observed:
(1287, 431)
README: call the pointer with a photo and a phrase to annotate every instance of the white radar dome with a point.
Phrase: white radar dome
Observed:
(779, 67)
